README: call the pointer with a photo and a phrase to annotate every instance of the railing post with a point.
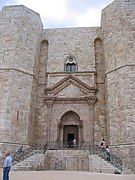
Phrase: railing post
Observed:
(121, 166)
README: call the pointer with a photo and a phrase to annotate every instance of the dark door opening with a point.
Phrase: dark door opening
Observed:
(70, 137)
(70, 133)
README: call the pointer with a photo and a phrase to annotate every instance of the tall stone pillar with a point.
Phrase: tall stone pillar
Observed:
(100, 126)
(80, 134)
(20, 31)
(61, 130)
(91, 101)
(118, 30)
(40, 75)
(49, 103)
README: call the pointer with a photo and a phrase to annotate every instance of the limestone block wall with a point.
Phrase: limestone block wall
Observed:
(56, 45)
(118, 32)
(118, 28)
(78, 42)
(20, 30)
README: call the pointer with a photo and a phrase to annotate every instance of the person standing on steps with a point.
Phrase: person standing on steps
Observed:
(103, 145)
(108, 153)
(74, 143)
(103, 148)
(7, 165)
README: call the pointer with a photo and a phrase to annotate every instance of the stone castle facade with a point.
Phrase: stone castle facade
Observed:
(60, 84)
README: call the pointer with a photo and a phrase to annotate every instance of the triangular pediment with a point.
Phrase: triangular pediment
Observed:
(70, 86)
(70, 91)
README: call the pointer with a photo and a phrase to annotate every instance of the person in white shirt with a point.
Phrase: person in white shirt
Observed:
(74, 142)
(108, 153)
(7, 165)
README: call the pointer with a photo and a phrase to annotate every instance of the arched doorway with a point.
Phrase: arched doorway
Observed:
(70, 128)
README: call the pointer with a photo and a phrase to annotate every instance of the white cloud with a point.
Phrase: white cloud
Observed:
(52, 9)
(58, 13)
(90, 18)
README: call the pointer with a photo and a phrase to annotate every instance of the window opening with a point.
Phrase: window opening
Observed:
(70, 65)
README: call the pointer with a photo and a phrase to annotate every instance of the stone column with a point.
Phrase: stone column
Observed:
(91, 101)
(80, 134)
(49, 103)
(61, 129)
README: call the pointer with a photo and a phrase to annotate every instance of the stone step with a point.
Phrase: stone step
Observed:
(34, 162)
(97, 164)
(77, 160)
(125, 170)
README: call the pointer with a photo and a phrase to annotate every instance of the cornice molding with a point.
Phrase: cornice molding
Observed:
(72, 73)
(49, 101)
(80, 100)
(91, 99)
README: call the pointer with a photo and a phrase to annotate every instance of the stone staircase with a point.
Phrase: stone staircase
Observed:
(71, 160)
(125, 170)
(55, 156)
(97, 164)
(34, 162)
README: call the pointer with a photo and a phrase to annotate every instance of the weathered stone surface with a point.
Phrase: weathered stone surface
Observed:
(20, 29)
(42, 101)
(69, 160)
(118, 28)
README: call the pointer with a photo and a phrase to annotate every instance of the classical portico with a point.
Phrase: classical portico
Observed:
(71, 116)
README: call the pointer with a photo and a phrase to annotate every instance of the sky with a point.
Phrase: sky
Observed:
(64, 13)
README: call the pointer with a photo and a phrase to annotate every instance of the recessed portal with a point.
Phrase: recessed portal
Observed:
(70, 133)
(70, 128)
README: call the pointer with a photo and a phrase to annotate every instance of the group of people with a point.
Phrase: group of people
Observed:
(105, 149)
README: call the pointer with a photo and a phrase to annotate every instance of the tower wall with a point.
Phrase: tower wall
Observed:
(118, 28)
(20, 30)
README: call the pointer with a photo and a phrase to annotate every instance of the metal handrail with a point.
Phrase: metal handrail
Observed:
(18, 157)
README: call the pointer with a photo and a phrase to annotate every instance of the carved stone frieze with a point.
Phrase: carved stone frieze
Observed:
(91, 99)
(80, 100)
